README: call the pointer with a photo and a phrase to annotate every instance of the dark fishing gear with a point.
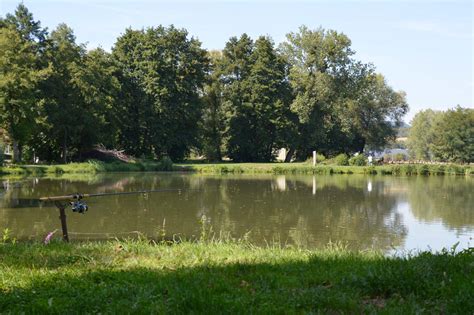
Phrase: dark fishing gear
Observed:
(79, 207)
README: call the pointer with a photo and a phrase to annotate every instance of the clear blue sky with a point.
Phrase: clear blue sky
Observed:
(422, 47)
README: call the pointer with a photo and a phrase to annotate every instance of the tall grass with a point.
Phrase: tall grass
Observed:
(92, 167)
(89, 167)
(306, 168)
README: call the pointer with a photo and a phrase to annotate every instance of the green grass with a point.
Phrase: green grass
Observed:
(137, 276)
(306, 168)
(92, 167)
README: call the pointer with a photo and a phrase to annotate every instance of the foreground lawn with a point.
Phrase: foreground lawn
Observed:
(220, 277)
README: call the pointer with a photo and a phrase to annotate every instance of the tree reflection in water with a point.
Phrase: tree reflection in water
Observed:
(446, 199)
(307, 211)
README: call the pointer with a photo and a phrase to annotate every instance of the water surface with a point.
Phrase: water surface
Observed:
(387, 213)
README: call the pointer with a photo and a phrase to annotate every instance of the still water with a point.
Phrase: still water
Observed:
(387, 213)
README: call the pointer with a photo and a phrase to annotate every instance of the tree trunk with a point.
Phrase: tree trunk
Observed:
(218, 156)
(16, 152)
(65, 147)
(289, 155)
(361, 147)
(217, 147)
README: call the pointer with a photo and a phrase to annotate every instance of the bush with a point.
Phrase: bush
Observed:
(423, 169)
(341, 159)
(166, 164)
(358, 160)
(319, 158)
(399, 157)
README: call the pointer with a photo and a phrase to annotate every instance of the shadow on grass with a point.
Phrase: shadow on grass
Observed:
(428, 283)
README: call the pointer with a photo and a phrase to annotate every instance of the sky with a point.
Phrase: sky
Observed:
(422, 47)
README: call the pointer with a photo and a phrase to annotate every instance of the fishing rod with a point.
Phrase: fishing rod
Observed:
(79, 206)
(81, 196)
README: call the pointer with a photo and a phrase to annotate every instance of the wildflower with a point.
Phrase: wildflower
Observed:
(47, 239)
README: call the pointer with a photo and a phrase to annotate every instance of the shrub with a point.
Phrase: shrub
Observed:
(387, 158)
(358, 160)
(423, 169)
(341, 159)
(319, 158)
(166, 164)
(399, 157)
(409, 170)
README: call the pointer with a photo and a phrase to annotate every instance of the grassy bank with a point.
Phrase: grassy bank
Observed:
(89, 167)
(305, 168)
(228, 277)
(92, 167)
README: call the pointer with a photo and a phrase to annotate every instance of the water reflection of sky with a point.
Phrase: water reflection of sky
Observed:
(387, 213)
(432, 235)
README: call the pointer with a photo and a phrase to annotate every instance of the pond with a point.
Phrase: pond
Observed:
(382, 212)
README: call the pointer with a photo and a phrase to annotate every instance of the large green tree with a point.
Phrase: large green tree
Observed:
(443, 136)
(269, 98)
(98, 85)
(19, 82)
(80, 94)
(255, 98)
(22, 69)
(235, 71)
(24, 23)
(134, 107)
(316, 57)
(164, 72)
(341, 104)
(420, 135)
(63, 110)
(376, 112)
(453, 136)
(213, 116)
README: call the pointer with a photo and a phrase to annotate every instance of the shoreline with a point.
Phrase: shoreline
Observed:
(92, 167)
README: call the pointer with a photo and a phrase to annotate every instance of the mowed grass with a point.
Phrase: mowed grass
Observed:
(92, 167)
(139, 276)
(308, 168)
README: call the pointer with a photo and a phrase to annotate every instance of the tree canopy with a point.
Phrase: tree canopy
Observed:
(341, 103)
(159, 93)
(21, 72)
(164, 71)
(443, 136)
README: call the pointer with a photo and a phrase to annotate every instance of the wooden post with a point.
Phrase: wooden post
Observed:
(62, 217)
(314, 158)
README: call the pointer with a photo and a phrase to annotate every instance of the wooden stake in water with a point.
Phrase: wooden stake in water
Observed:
(314, 158)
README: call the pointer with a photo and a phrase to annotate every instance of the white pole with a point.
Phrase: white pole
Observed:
(314, 158)
(314, 185)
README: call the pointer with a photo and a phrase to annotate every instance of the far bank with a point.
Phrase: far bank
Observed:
(92, 167)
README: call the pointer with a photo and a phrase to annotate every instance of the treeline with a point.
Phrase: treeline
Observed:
(446, 136)
(159, 93)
